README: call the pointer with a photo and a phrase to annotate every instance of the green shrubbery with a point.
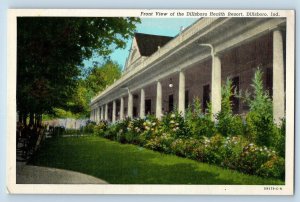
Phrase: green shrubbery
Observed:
(228, 124)
(260, 124)
(254, 145)
(174, 124)
(199, 123)
(89, 128)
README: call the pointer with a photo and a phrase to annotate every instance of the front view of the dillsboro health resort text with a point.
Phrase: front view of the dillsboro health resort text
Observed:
(212, 14)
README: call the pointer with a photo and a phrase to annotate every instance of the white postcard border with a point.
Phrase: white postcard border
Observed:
(12, 187)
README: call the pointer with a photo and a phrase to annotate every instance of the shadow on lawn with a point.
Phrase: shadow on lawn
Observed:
(128, 164)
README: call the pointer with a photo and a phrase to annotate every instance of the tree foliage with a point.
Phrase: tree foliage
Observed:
(260, 118)
(100, 76)
(50, 54)
(228, 123)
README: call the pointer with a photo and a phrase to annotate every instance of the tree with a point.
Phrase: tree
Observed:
(261, 128)
(50, 55)
(102, 76)
(96, 81)
(228, 124)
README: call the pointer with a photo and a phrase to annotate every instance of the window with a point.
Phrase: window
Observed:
(125, 110)
(171, 103)
(118, 108)
(110, 113)
(148, 106)
(206, 97)
(235, 101)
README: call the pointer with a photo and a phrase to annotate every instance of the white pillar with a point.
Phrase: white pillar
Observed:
(216, 86)
(121, 108)
(158, 100)
(94, 115)
(91, 115)
(181, 93)
(106, 112)
(130, 105)
(142, 104)
(114, 112)
(278, 77)
(101, 113)
(96, 112)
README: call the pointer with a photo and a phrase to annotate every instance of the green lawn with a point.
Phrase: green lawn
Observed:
(129, 164)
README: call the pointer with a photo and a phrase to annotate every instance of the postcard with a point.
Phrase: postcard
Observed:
(151, 101)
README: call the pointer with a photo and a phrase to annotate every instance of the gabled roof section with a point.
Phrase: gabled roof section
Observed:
(148, 44)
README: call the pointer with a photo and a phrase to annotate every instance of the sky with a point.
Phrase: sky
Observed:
(157, 26)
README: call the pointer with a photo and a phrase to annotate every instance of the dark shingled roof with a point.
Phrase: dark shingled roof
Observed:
(148, 44)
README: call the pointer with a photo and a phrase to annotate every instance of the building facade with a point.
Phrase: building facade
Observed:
(166, 72)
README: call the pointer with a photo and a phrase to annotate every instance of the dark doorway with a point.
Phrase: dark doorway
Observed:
(125, 111)
(148, 106)
(186, 102)
(135, 114)
(235, 101)
(206, 97)
(110, 112)
(269, 81)
(171, 103)
(118, 103)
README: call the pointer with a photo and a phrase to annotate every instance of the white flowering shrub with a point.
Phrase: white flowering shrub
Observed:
(174, 124)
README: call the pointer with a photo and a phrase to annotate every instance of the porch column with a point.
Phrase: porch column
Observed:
(181, 93)
(158, 100)
(101, 110)
(216, 86)
(106, 112)
(114, 112)
(102, 113)
(99, 113)
(278, 77)
(142, 104)
(94, 115)
(121, 108)
(130, 105)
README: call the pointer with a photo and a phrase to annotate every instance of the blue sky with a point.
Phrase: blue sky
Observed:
(157, 26)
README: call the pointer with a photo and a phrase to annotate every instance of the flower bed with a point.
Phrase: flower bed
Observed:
(234, 152)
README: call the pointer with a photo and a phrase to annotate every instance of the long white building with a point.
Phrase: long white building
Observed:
(162, 72)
